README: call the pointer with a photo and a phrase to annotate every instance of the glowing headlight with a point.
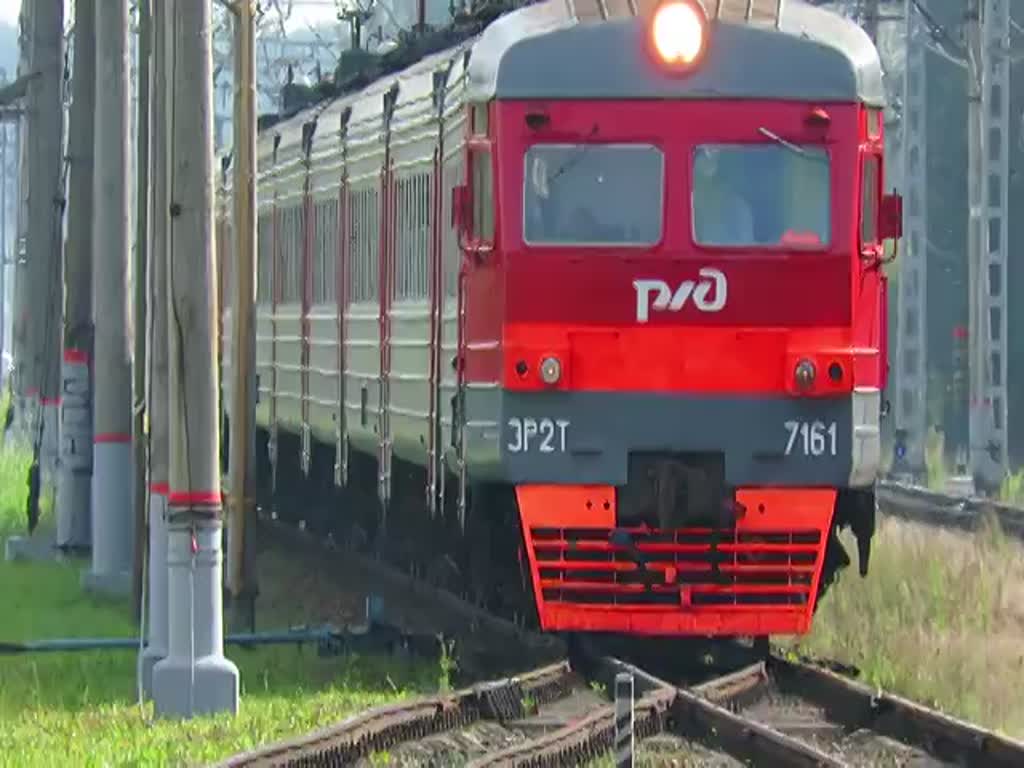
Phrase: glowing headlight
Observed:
(678, 32)
(550, 370)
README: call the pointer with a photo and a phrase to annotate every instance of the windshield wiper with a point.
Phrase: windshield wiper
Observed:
(779, 140)
(581, 150)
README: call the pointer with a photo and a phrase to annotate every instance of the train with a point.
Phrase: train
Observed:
(583, 315)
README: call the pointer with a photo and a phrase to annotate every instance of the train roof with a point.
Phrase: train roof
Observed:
(544, 51)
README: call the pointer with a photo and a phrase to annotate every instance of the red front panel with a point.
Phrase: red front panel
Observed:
(767, 286)
(588, 305)
(684, 359)
(760, 578)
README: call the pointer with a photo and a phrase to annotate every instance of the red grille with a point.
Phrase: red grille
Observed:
(687, 567)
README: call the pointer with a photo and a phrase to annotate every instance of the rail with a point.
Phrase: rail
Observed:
(385, 728)
(775, 711)
(841, 722)
(932, 508)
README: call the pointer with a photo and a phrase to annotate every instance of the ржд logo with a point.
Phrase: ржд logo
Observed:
(665, 299)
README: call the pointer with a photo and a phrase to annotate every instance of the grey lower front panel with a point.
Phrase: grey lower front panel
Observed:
(587, 437)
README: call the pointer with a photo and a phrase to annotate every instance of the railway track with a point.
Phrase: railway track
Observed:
(812, 716)
(550, 716)
(774, 712)
(931, 508)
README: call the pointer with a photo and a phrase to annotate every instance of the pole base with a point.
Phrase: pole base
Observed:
(150, 658)
(116, 584)
(31, 548)
(179, 691)
(156, 651)
(113, 519)
(74, 526)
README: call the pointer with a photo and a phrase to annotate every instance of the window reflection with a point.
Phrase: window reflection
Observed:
(593, 194)
(768, 195)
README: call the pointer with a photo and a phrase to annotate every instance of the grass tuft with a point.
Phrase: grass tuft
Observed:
(938, 620)
(935, 459)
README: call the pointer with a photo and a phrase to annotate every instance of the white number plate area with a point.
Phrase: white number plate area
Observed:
(811, 438)
(542, 435)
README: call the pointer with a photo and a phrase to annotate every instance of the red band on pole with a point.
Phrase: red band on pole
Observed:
(76, 356)
(49, 401)
(112, 437)
(194, 498)
(160, 489)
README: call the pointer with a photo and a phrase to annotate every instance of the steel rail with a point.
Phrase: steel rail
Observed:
(939, 509)
(385, 727)
(697, 718)
(856, 705)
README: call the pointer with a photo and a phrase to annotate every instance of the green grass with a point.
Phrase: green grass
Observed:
(935, 460)
(938, 619)
(81, 708)
(1012, 490)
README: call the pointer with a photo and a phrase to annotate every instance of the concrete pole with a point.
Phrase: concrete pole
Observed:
(142, 200)
(910, 369)
(25, 391)
(870, 19)
(19, 331)
(242, 453)
(112, 532)
(979, 410)
(156, 648)
(75, 480)
(993, 256)
(195, 678)
(3, 246)
(46, 211)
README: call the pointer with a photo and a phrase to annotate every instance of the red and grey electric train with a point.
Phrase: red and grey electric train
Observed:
(586, 315)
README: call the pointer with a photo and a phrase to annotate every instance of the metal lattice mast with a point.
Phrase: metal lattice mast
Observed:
(910, 370)
(990, 88)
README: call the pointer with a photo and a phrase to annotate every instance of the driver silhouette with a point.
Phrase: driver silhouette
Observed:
(721, 216)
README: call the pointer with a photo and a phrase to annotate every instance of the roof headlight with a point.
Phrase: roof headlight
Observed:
(679, 31)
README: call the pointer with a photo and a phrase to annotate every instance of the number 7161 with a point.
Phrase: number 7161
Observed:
(811, 438)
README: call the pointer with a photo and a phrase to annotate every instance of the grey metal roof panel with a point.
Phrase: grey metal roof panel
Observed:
(541, 52)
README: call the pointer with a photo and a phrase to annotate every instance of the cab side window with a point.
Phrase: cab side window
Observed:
(481, 175)
(870, 182)
(483, 195)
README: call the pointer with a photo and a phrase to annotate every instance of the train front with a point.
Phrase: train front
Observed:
(688, 238)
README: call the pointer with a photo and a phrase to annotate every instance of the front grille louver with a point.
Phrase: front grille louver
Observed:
(691, 567)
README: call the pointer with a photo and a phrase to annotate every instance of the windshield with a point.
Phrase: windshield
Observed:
(593, 194)
(762, 196)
